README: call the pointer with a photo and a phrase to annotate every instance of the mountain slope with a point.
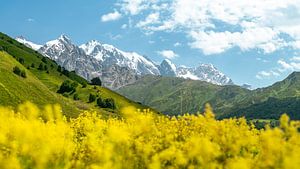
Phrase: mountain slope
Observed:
(165, 94)
(15, 89)
(43, 80)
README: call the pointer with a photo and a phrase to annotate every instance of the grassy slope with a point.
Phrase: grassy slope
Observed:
(15, 89)
(40, 86)
(164, 94)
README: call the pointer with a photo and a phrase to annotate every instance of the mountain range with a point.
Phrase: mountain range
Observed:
(118, 68)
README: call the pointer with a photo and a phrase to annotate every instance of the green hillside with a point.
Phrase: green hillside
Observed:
(270, 102)
(44, 78)
(176, 95)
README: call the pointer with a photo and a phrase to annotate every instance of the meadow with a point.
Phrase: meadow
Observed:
(43, 138)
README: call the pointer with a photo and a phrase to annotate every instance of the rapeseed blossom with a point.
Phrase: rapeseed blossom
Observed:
(34, 138)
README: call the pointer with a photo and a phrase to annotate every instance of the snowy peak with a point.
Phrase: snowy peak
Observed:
(109, 55)
(90, 46)
(204, 72)
(27, 43)
(167, 68)
(62, 40)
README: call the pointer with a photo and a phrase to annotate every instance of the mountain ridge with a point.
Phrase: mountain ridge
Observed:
(100, 57)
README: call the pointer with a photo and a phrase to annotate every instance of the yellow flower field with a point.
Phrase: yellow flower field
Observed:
(33, 138)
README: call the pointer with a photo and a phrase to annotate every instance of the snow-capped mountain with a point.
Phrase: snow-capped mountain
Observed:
(109, 55)
(115, 67)
(204, 72)
(27, 43)
(71, 57)
(167, 68)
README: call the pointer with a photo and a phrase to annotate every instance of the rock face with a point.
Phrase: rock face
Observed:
(167, 68)
(71, 57)
(115, 76)
(115, 67)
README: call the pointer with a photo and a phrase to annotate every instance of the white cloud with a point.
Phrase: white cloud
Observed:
(114, 37)
(211, 42)
(296, 58)
(296, 44)
(262, 60)
(177, 44)
(152, 18)
(169, 54)
(254, 24)
(293, 64)
(133, 7)
(151, 41)
(111, 16)
(30, 20)
(124, 26)
(265, 74)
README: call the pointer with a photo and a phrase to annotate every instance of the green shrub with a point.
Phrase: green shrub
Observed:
(23, 74)
(41, 66)
(59, 69)
(106, 103)
(100, 103)
(19, 72)
(96, 81)
(44, 60)
(110, 103)
(92, 98)
(21, 60)
(84, 85)
(67, 86)
(76, 97)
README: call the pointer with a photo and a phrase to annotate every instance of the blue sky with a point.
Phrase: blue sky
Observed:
(255, 42)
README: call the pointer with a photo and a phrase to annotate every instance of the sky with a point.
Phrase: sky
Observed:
(253, 42)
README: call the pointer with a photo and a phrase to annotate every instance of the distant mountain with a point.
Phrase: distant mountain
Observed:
(247, 86)
(118, 68)
(172, 95)
(204, 72)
